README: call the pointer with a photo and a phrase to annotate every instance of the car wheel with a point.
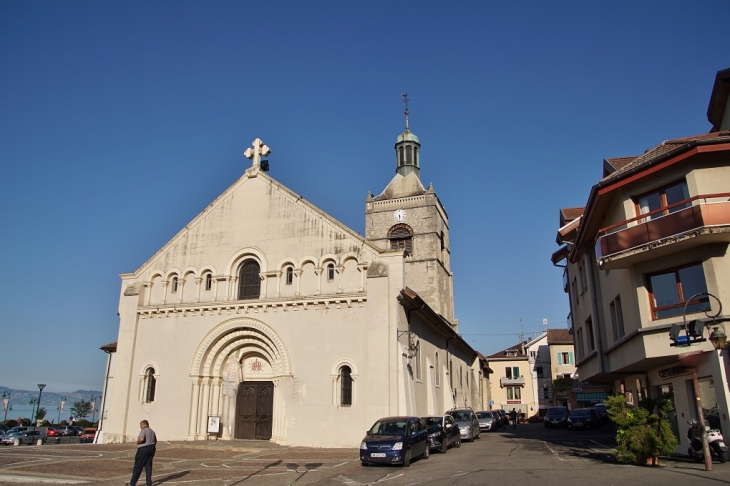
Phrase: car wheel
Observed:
(407, 459)
(479, 435)
(444, 445)
(458, 442)
(427, 453)
(364, 464)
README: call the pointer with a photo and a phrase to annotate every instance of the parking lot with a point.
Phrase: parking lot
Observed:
(507, 456)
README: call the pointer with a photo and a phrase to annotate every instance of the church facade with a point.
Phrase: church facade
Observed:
(265, 318)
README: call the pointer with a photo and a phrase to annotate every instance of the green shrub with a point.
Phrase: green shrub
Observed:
(642, 434)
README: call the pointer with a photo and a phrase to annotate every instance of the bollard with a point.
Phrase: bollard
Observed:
(40, 442)
(58, 440)
(16, 442)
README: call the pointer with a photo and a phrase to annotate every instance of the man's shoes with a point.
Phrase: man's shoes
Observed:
(127, 483)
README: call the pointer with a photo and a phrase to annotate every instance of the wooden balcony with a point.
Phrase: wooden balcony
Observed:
(706, 220)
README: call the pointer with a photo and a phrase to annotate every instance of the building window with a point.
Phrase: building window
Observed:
(533, 355)
(330, 272)
(583, 281)
(565, 358)
(539, 371)
(289, 275)
(617, 318)
(514, 393)
(174, 284)
(401, 238)
(249, 282)
(345, 386)
(669, 290)
(437, 378)
(149, 385)
(512, 372)
(208, 281)
(579, 341)
(589, 328)
(663, 198)
(545, 391)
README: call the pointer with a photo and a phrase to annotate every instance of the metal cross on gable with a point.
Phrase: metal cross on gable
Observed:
(257, 151)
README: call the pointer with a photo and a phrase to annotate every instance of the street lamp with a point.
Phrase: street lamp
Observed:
(40, 393)
(718, 339)
(32, 401)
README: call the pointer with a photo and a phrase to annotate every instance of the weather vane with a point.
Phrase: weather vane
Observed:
(405, 100)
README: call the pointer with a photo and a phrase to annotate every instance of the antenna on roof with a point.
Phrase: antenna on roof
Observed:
(545, 323)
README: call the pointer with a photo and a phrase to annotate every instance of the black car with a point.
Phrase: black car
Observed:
(583, 418)
(395, 440)
(603, 417)
(556, 417)
(442, 432)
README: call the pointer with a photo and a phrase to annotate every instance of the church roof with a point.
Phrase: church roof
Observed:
(407, 136)
(400, 186)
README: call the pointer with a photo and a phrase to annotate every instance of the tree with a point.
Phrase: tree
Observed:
(642, 433)
(40, 414)
(81, 409)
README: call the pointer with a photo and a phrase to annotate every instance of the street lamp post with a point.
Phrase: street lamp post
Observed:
(32, 402)
(718, 339)
(40, 393)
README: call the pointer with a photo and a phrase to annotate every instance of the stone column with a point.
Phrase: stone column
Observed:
(298, 275)
(215, 409)
(340, 269)
(198, 281)
(205, 406)
(194, 403)
(278, 284)
(147, 292)
(318, 273)
(363, 267)
(164, 291)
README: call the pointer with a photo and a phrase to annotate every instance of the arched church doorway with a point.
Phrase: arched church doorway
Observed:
(254, 410)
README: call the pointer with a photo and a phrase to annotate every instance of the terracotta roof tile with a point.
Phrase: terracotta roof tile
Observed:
(559, 336)
(503, 354)
(569, 214)
(663, 148)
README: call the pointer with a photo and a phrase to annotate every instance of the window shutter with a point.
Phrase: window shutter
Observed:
(560, 359)
(571, 357)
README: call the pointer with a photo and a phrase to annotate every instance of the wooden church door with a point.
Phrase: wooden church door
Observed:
(254, 410)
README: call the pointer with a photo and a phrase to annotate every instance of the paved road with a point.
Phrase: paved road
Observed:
(527, 455)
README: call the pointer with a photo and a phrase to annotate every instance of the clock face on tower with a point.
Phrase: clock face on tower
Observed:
(399, 215)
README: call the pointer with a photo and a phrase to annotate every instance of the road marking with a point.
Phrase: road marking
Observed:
(555, 453)
(34, 479)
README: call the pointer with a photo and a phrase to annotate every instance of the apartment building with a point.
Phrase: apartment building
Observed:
(647, 252)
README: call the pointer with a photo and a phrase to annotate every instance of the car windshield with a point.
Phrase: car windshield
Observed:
(431, 421)
(482, 415)
(388, 427)
(460, 416)
(556, 412)
(581, 413)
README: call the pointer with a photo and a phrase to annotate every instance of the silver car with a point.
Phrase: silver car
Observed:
(488, 421)
(25, 437)
(467, 422)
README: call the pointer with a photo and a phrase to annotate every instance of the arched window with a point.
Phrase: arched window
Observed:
(249, 282)
(437, 378)
(345, 386)
(208, 281)
(409, 159)
(330, 271)
(401, 238)
(400, 156)
(289, 275)
(174, 284)
(150, 385)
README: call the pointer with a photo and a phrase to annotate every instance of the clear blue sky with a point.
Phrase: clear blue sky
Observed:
(121, 121)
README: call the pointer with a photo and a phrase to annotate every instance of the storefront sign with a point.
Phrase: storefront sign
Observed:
(514, 402)
(577, 390)
(673, 371)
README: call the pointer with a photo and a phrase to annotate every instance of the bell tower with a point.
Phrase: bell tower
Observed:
(409, 218)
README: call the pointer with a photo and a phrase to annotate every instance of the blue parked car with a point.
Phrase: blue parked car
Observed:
(395, 440)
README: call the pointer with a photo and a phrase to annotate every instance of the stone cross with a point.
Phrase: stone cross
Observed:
(257, 151)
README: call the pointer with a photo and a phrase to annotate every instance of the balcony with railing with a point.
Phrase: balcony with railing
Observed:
(689, 223)
(518, 381)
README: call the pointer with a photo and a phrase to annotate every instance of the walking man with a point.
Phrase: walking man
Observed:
(145, 452)
(513, 418)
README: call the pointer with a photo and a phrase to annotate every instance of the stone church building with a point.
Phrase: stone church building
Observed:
(265, 318)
